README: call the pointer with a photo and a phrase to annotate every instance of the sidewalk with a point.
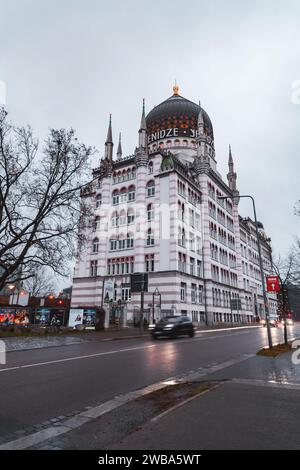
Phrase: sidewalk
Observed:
(256, 407)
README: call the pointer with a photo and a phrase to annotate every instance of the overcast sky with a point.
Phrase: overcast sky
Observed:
(72, 62)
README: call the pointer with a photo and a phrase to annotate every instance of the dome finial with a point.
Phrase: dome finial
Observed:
(176, 89)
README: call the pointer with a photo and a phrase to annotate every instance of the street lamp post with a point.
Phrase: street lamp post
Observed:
(260, 264)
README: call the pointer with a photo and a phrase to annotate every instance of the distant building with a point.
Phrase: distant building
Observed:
(66, 293)
(158, 211)
(294, 300)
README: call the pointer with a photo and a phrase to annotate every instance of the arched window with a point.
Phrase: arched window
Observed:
(115, 219)
(177, 142)
(130, 241)
(95, 245)
(150, 188)
(130, 216)
(116, 197)
(122, 242)
(96, 223)
(98, 201)
(131, 193)
(150, 212)
(150, 237)
(113, 244)
(122, 218)
(133, 173)
(169, 143)
(123, 195)
(185, 143)
(150, 168)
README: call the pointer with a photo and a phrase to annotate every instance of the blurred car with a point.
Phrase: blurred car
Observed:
(172, 327)
(272, 321)
(289, 321)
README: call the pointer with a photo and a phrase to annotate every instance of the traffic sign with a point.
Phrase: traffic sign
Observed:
(139, 282)
(273, 284)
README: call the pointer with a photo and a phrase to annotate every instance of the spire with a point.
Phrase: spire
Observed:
(200, 121)
(119, 151)
(109, 142)
(231, 175)
(143, 126)
(143, 129)
(230, 159)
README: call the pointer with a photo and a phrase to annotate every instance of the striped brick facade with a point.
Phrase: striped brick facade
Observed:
(188, 240)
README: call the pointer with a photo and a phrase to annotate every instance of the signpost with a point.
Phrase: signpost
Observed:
(273, 284)
(139, 283)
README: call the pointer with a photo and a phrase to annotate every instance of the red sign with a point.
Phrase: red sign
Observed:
(273, 283)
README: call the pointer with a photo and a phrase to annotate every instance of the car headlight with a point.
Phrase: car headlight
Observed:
(168, 327)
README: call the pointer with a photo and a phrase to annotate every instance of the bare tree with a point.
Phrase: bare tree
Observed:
(40, 209)
(288, 272)
(40, 284)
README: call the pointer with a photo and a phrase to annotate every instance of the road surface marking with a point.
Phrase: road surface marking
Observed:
(95, 412)
(235, 328)
(76, 358)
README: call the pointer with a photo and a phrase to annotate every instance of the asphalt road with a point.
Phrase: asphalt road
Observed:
(38, 385)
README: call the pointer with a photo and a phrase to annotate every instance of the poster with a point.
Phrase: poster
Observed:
(42, 317)
(109, 287)
(75, 317)
(89, 318)
(7, 316)
(22, 317)
(57, 317)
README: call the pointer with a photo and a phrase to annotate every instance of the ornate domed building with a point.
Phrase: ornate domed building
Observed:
(157, 212)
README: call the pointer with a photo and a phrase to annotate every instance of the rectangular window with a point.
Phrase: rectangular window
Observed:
(200, 294)
(126, 294)
(192, 266)
(93, 268)
(183, 292)
(199, 268)
(194, 293)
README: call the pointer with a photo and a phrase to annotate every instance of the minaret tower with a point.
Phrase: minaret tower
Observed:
(119, 151)
(231, 175)
(109, 145)
(202, 161)
(143, 130)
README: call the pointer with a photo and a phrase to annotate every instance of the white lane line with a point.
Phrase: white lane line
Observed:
(76, 358)
(97, 411)
(236, 328)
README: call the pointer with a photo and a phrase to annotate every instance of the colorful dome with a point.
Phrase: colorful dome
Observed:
(177, 113)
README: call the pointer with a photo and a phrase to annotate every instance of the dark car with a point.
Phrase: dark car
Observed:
(173, 327)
